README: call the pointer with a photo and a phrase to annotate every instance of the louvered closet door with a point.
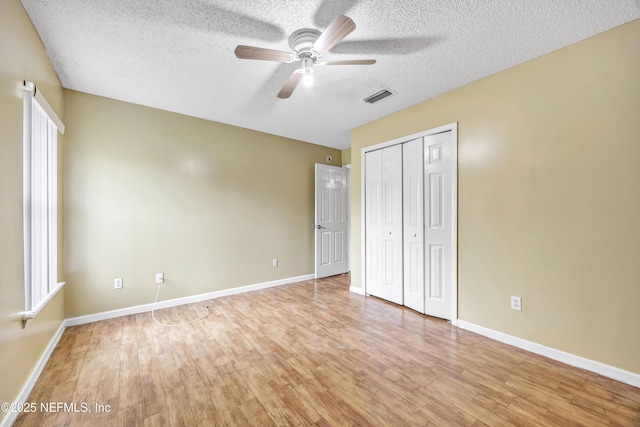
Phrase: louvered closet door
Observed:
(413, 225)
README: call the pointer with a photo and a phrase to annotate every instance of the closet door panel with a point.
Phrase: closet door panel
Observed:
(413, 224)
(373, 223)
(392, 289)
(438, 169)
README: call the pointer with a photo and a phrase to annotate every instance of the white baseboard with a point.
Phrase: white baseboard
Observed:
(559, 355)
(356, 290)
(74, 321)
(10, 418)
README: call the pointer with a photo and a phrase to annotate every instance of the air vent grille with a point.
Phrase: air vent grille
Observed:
(378, 96)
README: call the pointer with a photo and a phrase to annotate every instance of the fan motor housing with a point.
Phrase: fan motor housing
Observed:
(302, 40)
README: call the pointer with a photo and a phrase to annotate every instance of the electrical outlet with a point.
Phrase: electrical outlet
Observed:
(159, 278)
(516, 303)
(274, 263)
(117, 283)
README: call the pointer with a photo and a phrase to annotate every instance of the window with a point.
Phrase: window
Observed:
(40, 134)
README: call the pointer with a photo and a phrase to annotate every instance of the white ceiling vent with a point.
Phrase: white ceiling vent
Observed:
(379, 96)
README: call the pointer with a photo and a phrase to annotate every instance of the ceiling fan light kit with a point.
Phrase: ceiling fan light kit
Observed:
(308, 46)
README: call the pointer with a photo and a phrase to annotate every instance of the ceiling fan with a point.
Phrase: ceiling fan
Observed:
(308, 46)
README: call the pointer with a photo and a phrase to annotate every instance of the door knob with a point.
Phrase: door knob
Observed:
(321, 227)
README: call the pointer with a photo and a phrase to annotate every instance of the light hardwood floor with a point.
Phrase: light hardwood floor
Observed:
(312, 353)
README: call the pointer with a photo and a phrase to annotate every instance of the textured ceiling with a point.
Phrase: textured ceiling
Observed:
(178, 55)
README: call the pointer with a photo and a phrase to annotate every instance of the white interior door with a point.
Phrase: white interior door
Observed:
(331, 221)
(438, 178)
(373, 223)
(413, 225)
(392, 224)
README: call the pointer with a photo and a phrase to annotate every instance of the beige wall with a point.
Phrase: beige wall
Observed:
(346, 156)
(23, 58)
(209, 205)
(549, 196)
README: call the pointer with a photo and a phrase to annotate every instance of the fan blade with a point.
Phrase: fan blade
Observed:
(290, 85)
(250, 52)
(328, 9)
(335, 32)
(351, 62)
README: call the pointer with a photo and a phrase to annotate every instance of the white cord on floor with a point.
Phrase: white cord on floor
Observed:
(153, 307)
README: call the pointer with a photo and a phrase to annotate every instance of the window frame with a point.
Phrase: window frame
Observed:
(40, 186)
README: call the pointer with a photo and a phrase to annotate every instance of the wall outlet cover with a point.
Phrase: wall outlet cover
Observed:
(516, 303)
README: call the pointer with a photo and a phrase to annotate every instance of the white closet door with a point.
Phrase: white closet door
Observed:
(392, 224)
(373, 223)
(413, 213)
(438, 167)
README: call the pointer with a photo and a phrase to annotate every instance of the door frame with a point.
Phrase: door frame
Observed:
(348, 169)
(453, 128)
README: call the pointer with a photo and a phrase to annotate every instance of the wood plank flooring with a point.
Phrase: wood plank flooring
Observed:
(312, 353)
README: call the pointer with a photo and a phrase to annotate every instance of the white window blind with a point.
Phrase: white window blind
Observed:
(41, 126)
